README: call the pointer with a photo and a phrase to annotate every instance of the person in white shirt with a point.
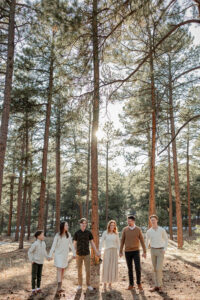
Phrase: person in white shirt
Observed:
(61, 244)
(36, 254)
(111, 243)
(157, 239)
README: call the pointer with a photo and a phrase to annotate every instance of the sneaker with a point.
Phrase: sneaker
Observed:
(90, 288)
(39, 290)
(79, 287)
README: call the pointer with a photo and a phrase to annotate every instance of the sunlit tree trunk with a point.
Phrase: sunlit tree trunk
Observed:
(107, 190)
(7, 90)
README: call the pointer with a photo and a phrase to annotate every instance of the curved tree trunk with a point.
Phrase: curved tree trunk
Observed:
(7, 91)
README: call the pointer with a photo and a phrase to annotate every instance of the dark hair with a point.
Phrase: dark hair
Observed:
(83, 220)
(62, 225)
(38, 233)
(153, 216)
(131, 217)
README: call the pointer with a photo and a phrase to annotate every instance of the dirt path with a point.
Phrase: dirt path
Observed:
(181, 277)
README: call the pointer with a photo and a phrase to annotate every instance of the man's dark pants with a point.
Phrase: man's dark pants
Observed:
(130, 256)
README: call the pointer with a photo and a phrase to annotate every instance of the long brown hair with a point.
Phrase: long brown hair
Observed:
(62, 226)
(115, 229)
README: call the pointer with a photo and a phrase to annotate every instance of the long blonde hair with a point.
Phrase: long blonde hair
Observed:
(115, 229)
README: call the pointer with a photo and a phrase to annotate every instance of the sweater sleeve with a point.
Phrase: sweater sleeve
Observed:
(45, 251)
(31, 251)
(142, 241)
(53, 247)
(122, 241)
(102, 241)
(71, 245)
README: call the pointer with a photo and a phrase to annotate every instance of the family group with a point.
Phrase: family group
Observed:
(132, 238)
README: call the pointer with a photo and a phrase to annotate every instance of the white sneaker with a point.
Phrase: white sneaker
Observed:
(90, 288)
(79, 287)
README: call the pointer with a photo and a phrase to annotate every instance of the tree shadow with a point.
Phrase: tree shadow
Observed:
(195, 265)
(113, 294)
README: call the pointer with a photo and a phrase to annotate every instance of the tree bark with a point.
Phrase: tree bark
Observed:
(88, 164)
(95, 124)
(58, 188)
(170, 192)
(175, 164)
(11, 203)
(21, 240)
(46, 143)
(46, 211)
(29, 199)
(7, 90)
(152, 207)
(19, 194)
(188, 182)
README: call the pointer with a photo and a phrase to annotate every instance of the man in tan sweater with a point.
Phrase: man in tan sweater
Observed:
(132, 237)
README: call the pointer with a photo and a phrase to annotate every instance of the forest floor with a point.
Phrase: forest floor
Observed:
(181, 276)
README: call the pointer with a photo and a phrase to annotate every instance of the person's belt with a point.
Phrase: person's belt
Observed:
(157, 248)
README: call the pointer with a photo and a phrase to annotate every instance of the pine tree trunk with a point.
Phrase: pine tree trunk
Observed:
(107, 150)
(7, 91)
(88, 164)
(170, 194)
(11, 203)
(58, 189)
(22, 233)
(152, 207)
(95, 124)
(175, 165)
(188, 183)
(46, 211)
(29, 209)
(19, 194)
(46, 142)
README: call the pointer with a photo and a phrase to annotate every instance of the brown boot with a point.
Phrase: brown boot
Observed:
(140, 288)
(154, 289)
(130, 287)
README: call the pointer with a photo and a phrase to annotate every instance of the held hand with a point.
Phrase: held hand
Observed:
(74, 257)
(121, 254)
(98, 253)
(144, 255)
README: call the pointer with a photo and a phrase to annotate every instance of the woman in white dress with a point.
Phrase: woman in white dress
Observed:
(111, 243)
(61, 244)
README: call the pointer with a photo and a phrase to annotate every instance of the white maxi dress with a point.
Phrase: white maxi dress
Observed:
(60, 249)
